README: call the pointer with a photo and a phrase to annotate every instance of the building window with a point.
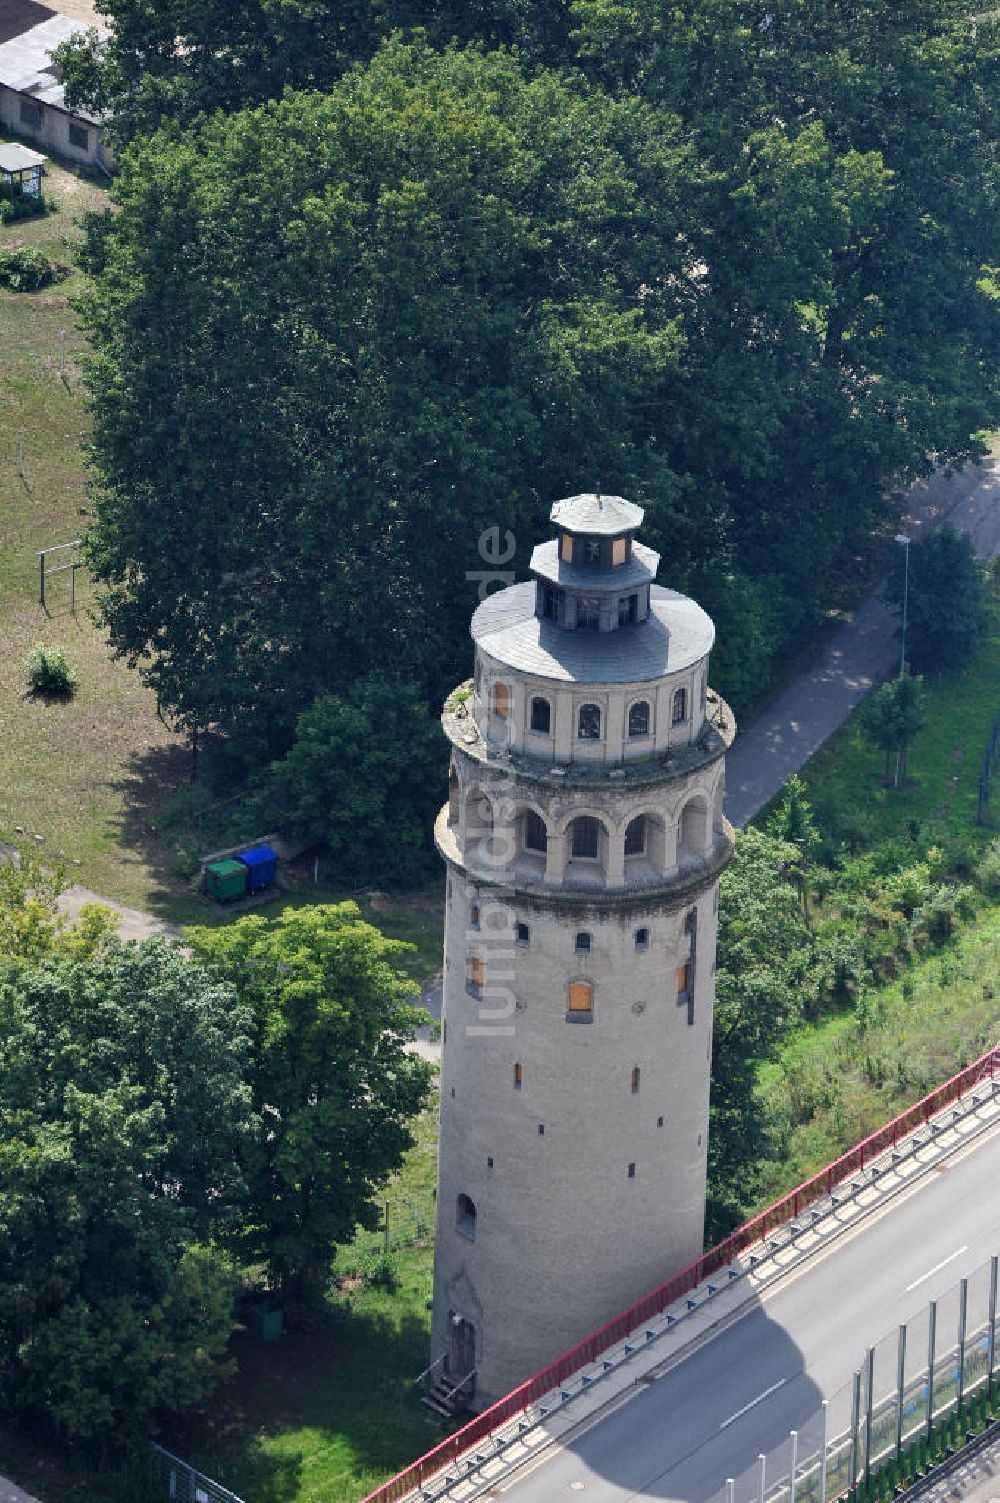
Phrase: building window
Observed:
(474, 983)
(638, 719)
(541, 716)
(518, 1076)
(635, 836)
(522, 934)
(465, 1217)
(79, 137)
(541, 1129)
(589, 723)
(566, 548)
(680, 713)
(619, 548)
(642, 939)
(550, 603)
(501, 701)
(631, 1171)
(586, 834)
(588, 612)
(474, 916)
(580, 1002)
(31, 112)
(593, 550)
(489, 1161)
(659, 1121)
(628, 609)
(536, 837)
(583, 943)
(683, 978)
(635, 1080)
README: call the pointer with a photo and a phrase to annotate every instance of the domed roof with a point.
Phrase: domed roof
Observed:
(599, 516)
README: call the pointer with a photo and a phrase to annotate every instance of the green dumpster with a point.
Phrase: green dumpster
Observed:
(225, 880)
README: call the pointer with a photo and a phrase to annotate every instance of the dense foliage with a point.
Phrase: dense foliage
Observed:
(734, 262)
(946, 615)
(170, 1123)
(891, 719)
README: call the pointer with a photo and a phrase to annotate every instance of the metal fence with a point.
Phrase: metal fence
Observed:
(986, 774)
(902, 1400)
(170, 1477)
(658, 1300)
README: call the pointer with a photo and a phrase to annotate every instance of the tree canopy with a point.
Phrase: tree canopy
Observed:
(946, 614)
(333, 1085)
(122, 1104)
(339, 335)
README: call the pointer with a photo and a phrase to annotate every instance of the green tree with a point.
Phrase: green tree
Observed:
(365, 775)
(891, 719)
(946, 615)
(334, 1087)
(450, 330)
(764, 947)
(122, 1107)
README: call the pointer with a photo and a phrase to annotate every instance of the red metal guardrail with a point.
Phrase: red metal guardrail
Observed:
(682, 1283)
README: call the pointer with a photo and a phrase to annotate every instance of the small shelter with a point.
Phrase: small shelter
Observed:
(21, 168)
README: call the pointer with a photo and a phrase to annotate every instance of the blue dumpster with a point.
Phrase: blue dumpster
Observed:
(262, 867)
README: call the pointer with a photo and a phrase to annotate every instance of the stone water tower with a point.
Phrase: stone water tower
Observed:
(584, 838)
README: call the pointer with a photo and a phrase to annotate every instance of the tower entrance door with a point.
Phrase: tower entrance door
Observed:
(462, 1353)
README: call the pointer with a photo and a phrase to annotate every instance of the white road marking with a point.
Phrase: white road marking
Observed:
(937, 1268)
(761, 1396)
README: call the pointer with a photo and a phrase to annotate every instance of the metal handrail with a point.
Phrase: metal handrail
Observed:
(428, 1370)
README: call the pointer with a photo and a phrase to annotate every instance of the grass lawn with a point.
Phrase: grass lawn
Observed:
(77, 778)
(845, 782)
(839, 1079)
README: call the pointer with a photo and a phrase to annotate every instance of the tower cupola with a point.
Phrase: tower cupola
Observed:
(594, 575)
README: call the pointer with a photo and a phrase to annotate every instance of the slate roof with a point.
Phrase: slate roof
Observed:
(640, 569)
(600, 516)
(677, 634)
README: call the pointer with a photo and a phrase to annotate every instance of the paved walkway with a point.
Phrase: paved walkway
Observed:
(861, 653)
(11, 1493)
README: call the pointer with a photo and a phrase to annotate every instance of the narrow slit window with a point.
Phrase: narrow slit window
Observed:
(566, 548)
(465, 1217)
(518, 1076)
(683, 978)
(475, 982)
(635, 1080)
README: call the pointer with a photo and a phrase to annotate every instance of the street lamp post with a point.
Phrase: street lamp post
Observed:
(902, 538)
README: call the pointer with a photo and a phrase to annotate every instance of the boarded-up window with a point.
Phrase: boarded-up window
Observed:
(567, 548)
(581, 997)
(683, 977)
(475, 971)
(501, 700)
(518, 1076)
(618, 552)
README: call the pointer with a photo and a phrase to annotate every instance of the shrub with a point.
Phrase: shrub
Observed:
(988, 870)
(48, 672)
(25, 269)
(14, 207)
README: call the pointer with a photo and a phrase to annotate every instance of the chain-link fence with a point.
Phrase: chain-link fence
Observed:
(170, 1477)
(917, 1390)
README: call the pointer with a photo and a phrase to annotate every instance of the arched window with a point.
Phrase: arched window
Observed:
(589, 724)
(635, 1080)
(580, 1001)
(518, 1076)
(635, 836)
(585, 839)
(465, 1217)
(453, 796)
(535, 834)
(680, 710)
(638, 719)
(583, 943)
(501, 701)
(541, 716)
(642, 939)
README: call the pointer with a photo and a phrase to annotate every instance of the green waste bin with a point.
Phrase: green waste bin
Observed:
(267, 1325)
(225, 880)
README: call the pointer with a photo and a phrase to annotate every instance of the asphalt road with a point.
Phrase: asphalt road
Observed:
(709, 1415)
